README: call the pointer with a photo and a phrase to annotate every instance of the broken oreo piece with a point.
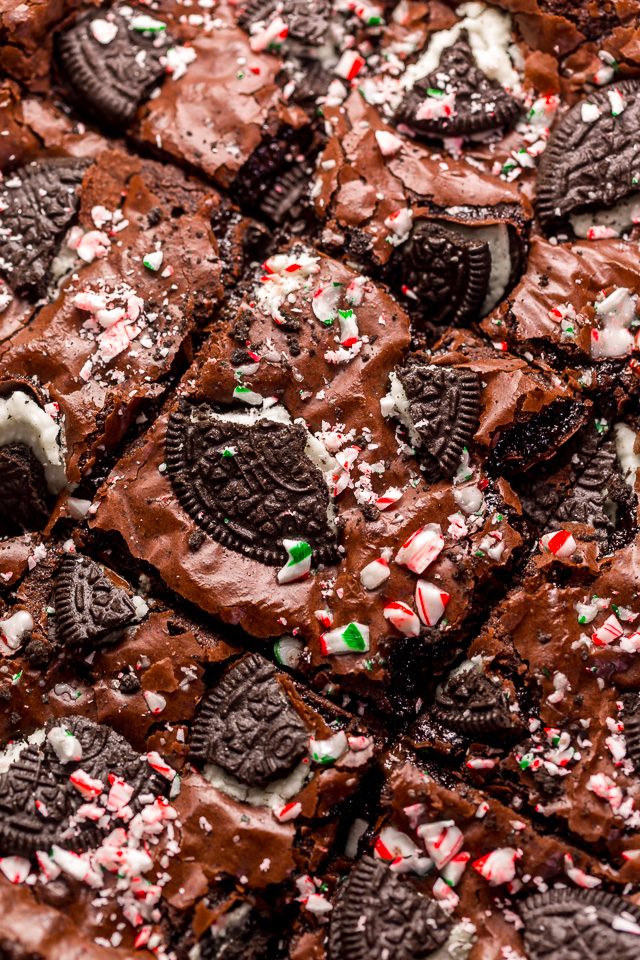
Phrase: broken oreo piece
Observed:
(444, 407)
(88, 604)
(38, 202)
(457, 99)
(248, 727)
(24, 495)
(569, 923)
(110, 66)
(471, 704)
(285, 197)
(249, 485)
(377, 916)
(307, 20)
(592, 158)
(447, 271)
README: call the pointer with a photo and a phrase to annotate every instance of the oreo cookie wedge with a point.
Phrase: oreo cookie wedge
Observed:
(88, 605)
(589, 173)
(247, 481)
(570, 923)
(24, 496)
(377, 916)
(110, 64)
(457, 99)
(469, 703)
(38, 203)
(248, 727)
(441, 408)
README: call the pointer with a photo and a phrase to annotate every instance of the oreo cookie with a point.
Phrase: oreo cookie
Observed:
(587, 502)
(110, 66)
(447, 271)
(592, 158)
(285, 198)
(37, 797)
(307, 20)
(24, 495)
(469, 703)
(89, 606)
(248, 727)
(570, 923)
(249, 486)
(457, 99)
(444, 406)
(378, 916)
(38, 203)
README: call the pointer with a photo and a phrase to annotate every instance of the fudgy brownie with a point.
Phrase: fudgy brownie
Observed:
(319, 449)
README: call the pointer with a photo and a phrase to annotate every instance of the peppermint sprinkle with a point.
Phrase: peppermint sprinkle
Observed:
(299, 562)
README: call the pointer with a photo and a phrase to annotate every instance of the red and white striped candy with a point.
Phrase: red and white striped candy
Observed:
(578, 876)
(445, 895)
(349, 65)
(499, 866)
(631, 644)
(610, 630)
(88, 787)
(421, 548)
(15, 869)
(393, 843)
(276, 30)
(287, 812)
(374, 574)
(324, 616)
(403, 618)
(391, 496)
(430, 602)
(442, 839)
(560, 543)
(164, 769)
(452, 871)
(388, 142)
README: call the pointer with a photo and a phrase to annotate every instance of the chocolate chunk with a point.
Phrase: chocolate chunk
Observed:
(592, 19)
(110, 78)
(88, 605)
(24, 495)
(37, 204)
(248, 727)
(591, 165)
(37, 796)
(444, 404)
(566, 924)
(471, 704)
(249, 486)
(448, 272)
(457, 99)
(376, 916)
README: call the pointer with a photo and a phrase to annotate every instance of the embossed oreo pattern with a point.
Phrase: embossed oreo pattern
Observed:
(249, 487)
(88, 605)
(444, 404)
(248, 727)
(34, 214)
(472, 705)
(591, 166)
(449, 273)
(110, 80)
(480, 103)
(572, 923)
(398, 923)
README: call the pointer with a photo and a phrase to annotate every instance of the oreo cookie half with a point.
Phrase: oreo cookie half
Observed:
(448, 272)
(24, 495)
(250, 485)
(37, 204)
(444, 408)
(377, 916)
(248, 727)
(471, 704)
(110, 66)
(574, 923)
(307, 20)
(88, 605)
(592, 158)
(457, 99)
(37, 797)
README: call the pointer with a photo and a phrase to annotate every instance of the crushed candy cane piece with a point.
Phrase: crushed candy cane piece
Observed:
(299, 562)
(287, 812)
(610, 630)
(354, 638)
(403, 618)
(560, 543)
(431, 602)
(329, 750)
(442, 840)
(422, 548)
(374, 574)
(499, 866)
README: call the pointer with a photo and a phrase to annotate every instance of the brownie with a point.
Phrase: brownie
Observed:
(319, 495)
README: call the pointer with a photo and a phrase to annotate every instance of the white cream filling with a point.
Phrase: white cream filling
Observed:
(14, 630)
(459, 944)
(620, 218)
(496, 235)
(23, 421)
(11, 752)
(625, 439)
(274, 794)
(401, 407)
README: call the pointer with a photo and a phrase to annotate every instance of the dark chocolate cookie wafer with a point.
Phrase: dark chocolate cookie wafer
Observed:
(307, 21)
(37, 204)
(592, 159)
(444, 407)
(471, 704)
(566, 924)
(24, 496)
(248, 726)
(250, 486)
(377, 916)
(457, 99)
(447, 271)
(111, 65)
(88, 604)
